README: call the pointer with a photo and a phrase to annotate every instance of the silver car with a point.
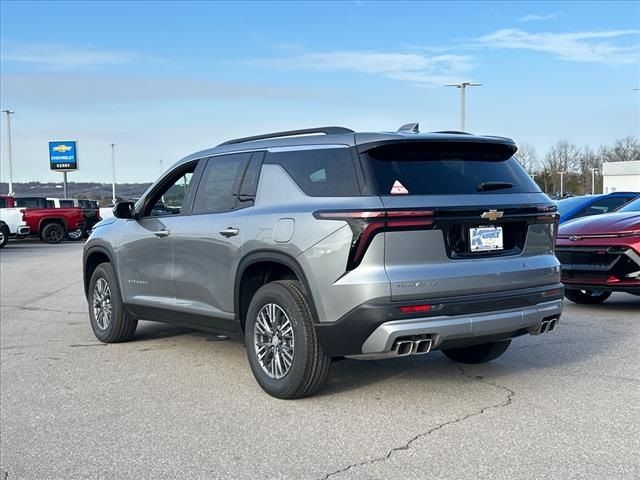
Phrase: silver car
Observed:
(325, 243)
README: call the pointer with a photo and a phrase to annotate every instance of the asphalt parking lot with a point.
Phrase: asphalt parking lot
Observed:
(176, 403)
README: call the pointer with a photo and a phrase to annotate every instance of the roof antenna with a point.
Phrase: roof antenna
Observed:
(410, 127)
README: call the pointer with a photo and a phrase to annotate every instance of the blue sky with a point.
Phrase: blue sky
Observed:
(163, 79)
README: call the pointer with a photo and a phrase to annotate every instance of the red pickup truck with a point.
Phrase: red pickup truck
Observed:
(51, 224)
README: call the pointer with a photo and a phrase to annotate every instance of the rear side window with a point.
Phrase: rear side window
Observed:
(323, 172)
(66, 203)
(3, 203)
(220, 183)
(447, 169)
(31, 203)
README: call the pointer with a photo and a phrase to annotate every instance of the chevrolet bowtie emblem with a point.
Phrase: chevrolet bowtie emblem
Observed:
(62, 148)
(575, 238)
(492, 215)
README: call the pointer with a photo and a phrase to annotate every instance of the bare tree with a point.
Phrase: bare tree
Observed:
(588, 159)
(623, 150)
(528, 157)
(563, 157)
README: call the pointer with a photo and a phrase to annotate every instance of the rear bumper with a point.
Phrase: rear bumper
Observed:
(371, 329)
(23, 230)
(463, 330)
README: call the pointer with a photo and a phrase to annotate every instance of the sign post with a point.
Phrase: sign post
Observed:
(63, 157)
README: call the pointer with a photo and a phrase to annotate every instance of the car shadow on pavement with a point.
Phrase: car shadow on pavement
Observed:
(572, 343)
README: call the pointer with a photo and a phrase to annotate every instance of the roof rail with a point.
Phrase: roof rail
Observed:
(290, 133)
(410, 127)
(454, 132)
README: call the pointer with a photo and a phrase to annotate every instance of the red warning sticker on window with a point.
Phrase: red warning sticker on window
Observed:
(398, 189)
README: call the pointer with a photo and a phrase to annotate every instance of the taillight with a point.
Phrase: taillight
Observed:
(547, 214)
(365, 224)
(24, 215)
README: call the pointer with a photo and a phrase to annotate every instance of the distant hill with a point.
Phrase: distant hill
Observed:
(89, 190)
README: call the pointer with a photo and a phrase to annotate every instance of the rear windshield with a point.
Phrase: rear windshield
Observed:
(30, 202)
(445, 169)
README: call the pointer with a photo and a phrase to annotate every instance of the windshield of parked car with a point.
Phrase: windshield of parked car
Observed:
(632, 206)
(568, 204)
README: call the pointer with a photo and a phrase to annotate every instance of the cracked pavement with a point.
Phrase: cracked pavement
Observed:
(176, 403)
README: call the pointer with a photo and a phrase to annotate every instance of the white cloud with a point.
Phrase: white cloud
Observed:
(61, 56)
(536, 17)
(61, 88)
(413, 67)
(575, 46)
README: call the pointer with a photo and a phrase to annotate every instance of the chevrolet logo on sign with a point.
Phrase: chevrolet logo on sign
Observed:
(492, 215)
(62, 148)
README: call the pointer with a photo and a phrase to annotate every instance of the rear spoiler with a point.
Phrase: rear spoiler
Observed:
(486, 148)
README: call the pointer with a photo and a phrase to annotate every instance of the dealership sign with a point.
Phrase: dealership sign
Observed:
(63, 156)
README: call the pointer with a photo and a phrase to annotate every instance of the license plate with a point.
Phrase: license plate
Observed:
(486, 239)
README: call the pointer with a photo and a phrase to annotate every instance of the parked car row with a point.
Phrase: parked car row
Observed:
(599, 246)
(52, 219)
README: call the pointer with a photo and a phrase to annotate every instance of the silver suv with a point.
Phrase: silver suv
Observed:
(325, 243)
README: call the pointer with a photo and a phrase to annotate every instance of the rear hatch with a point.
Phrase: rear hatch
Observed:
(488, 227)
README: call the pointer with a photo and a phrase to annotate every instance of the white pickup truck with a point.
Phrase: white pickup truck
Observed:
(11, 222)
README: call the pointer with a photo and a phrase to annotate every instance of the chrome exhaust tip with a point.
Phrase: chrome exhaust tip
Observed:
(404, 348)
(422, 346)
(552, 325)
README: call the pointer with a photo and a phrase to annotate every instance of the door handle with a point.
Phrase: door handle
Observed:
(230, 232)
(161, 233)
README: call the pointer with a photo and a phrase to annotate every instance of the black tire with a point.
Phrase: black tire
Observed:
(76, 235)
(310, 365)
(586, 297)
(4, 235)
(52, 233)
(478, 353)
(120, 327)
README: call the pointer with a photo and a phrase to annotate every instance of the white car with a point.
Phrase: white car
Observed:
(11, 222)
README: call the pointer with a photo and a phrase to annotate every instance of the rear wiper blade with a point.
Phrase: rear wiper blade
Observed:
(485, 186)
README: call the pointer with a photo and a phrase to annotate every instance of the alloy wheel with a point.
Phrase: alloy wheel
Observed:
(102, 303)
(274, 341)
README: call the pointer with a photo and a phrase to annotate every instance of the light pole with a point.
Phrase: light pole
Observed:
(463, 87)
(593, 180)
(9, 113)
(113, 172)
(561, 183)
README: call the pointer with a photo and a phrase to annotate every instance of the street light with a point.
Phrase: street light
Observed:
(463, 87)
(593, 180)
(561, 183)
(113, 171)
(9, 113)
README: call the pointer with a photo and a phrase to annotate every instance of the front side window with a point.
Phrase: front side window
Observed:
(66, 203)
(3, 202)
(169, 199)
(220, 182)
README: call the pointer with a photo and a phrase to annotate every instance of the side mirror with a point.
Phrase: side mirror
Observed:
(124, 210)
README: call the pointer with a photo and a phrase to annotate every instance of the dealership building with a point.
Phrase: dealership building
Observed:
(621, 177)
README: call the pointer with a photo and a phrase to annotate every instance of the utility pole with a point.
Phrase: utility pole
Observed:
(593, 180)
(463, 87)
(9, 113)
(561, 183)
(113, 172)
